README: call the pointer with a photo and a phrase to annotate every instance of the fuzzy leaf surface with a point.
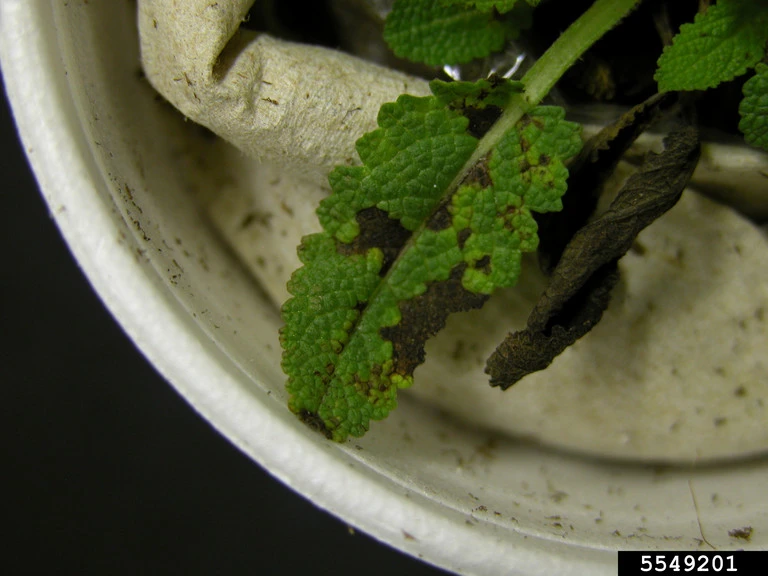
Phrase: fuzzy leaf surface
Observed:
(501, 6)
(721, 44)
(438, 34)
(407, 163)
(400, 252)
(754, 108)
(481, 102)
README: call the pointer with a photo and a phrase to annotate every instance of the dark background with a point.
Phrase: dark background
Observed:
(107, 470)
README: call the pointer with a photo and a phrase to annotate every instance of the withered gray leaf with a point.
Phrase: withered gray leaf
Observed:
(579, 289)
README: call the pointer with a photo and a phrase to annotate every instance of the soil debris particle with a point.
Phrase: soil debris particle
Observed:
(744, 533)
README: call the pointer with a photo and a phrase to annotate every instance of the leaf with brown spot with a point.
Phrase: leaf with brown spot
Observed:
(411, 236)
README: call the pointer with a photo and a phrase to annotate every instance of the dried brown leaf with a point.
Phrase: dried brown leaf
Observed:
(579, 290)
(589, 171)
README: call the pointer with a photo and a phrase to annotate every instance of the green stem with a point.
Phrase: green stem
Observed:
(588, 29)
(567, 49)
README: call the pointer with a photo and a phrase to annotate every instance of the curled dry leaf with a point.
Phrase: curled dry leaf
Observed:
(590, 170)
(579, 290)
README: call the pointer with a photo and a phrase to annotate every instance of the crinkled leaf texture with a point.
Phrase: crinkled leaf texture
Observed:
(754, 108)
(403, 246)
(721, 44)
(500, 6)
(438, 33)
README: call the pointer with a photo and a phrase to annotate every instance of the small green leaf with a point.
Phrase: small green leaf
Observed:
(437, 34)
(501, 6)
(403, 247)
(754, 108)
(481, 102)
(492, 91)
(721, 44)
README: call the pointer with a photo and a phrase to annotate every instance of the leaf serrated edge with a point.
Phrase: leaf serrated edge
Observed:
(666, 80)
(751, 92)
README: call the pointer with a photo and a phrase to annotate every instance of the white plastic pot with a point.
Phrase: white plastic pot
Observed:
(127, 180)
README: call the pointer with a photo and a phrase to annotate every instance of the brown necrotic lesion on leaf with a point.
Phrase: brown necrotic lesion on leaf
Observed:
(424, 316)
(377, 230)
(314, 422)
(479, 174)
(580, 286)
(481, 119)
